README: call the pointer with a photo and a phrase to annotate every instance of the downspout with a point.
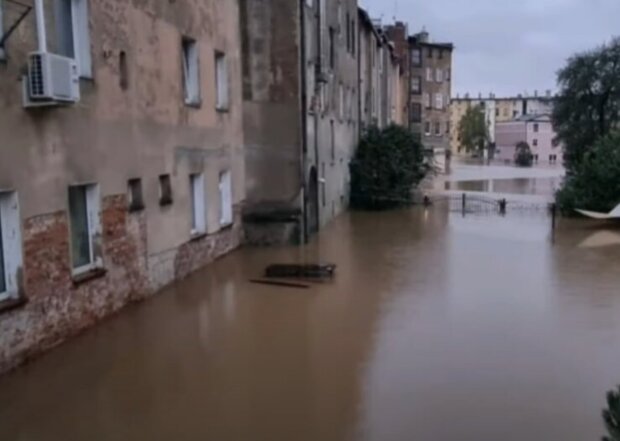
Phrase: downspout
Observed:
(40, 18)
(304, 116)
(359, 81)
(318, 82)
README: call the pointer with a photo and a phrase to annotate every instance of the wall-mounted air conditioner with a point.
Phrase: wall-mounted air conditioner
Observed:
(52, 80)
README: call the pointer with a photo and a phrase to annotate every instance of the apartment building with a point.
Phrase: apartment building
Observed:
(497, 109)
(300, 113)
(536, 130)
(430, 92)
(121, 161)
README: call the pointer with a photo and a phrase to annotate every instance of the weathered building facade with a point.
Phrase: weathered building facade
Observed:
(123, 180)
(430, 92)
(497, 110)
(300, 114)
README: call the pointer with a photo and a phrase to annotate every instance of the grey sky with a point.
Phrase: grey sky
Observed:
(507, 46)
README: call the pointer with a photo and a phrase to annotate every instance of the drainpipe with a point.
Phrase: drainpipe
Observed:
(304, 116)
(317, 89)
(40, 18)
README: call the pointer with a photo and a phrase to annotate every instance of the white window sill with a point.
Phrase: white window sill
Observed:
(196, 235)
(224, 225)
(88, 272)
(197, 104)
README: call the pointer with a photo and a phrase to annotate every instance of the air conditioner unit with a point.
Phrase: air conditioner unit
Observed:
(52, 80)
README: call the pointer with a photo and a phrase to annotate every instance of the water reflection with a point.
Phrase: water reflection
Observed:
(436, 327)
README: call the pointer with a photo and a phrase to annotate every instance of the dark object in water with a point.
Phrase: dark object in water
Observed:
(313, 271)
(282, 283)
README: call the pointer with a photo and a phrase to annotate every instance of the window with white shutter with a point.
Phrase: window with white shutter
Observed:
(226, 198)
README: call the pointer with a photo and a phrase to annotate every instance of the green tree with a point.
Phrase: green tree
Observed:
(387, 165)
(588, 104)
(523, 155)
(611, 416)
(595, 182)
(472, 130)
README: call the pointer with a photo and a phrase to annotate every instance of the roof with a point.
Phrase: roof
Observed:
(415, 40)
(366, 20)
(509, 98)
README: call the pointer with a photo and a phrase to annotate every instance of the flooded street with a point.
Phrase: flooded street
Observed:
(437, 326)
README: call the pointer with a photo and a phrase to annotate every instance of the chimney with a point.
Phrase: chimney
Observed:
(548, 93)
(479, 95)
(467, 96)
(423, 36)
(535, 93)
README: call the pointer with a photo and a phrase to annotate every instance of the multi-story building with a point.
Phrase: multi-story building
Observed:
(497, 110)
(430, 90)
(397, 35)
(536, 130)
(121, 161)
(300, 113)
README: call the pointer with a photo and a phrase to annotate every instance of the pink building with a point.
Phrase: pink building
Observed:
(536, 130)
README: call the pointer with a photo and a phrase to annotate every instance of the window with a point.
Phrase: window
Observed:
(333, 140)
(197, 193)
(84, 207)
(353, 37)
(123, 71)
(429, 74)
(496, 112)
(332, 49)
(437, 129)
(429, 52)
(427, 128)
(536, 128)
(440, 53)
(341, 101)
(10, 246)
(348, 32)
(438, 101)
(416, 57)
(73, 34)
(535, 143)
(165, 190)
(427, 100)
(505, 112)
(226, 199)
(191, 72)
(323, 182)
(221, 81)
(438, 75)
(416, 85)
(448, 128)
(448, 75)
(2, 53)
(134, 190)
(416, 112)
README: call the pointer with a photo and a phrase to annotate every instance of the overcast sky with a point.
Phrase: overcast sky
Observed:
(506, 46)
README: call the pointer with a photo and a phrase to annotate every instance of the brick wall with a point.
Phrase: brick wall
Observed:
(58, 307)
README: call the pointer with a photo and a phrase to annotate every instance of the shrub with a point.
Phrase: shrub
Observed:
(388, 164)
(523, 155)
(611, 416)
(595, 183)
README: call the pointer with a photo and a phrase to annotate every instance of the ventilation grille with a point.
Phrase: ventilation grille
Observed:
(37, 86)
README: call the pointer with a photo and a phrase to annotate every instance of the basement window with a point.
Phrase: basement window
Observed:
(85, 226)
(221, 81)
(226, 199)
(73, 33)
(165, 190)
(197, 190)
(134, 190)
(10, 246)
(191, 72)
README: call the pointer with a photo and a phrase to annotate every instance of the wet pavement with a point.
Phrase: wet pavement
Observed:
(437, 326)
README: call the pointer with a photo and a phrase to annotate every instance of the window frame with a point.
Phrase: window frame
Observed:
(80, 34)
(197, 204)
(439, 104)
(94, 228)
(2, 48)
(10, 245)
(226, 198)
(438, 75)
(416, 79)
(222, 83)
(416, 57)
(190, 64)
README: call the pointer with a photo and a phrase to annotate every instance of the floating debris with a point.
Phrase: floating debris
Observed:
(297, 271)
(282, 283)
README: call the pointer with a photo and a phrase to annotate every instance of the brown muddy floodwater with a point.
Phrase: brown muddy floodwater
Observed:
(437, 327)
